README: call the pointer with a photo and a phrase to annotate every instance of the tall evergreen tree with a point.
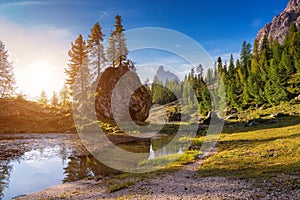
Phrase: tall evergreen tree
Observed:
(255, 54)
(54, 99)
(78, 72)
(231, 67)
(117, 50)
(111, 54)
(64, 97)
(7, 80)
(200, 71)
(220, 66)
(245, 58)
(209, 76)
(96, 50)
(43, 98)
(157, 90)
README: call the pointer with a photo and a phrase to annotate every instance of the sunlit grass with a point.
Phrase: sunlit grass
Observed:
(263, 150)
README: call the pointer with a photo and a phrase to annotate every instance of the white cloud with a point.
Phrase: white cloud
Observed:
(22, 3)
(39, 55)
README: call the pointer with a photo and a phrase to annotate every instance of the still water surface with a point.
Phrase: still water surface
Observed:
(32, 162)
(34, 171)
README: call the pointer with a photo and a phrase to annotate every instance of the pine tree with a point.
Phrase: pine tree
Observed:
(96, 50)
(78, 72)
(54, 99)
(297, 51)
(209, 77)
(238, 79)
(7, 80)
(159, 95)
(200, 71)
(256, 82)
(64, 96)
(117, 50)
(255, 54)
(245, 58)
(220, 66)
(231, 67)
(121, 48)
(43, 98)
(111, 49)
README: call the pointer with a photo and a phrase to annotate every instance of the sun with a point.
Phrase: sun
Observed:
(38, 76)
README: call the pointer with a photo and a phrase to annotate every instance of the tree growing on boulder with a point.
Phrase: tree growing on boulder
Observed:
(117, 50)
(96, 50)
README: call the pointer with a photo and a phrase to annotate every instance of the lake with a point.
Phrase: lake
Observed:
(32, 162)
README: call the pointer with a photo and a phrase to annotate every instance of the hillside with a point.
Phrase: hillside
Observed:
(22, 116)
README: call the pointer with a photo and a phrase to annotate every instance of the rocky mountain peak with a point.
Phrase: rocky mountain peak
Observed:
(279, 27)
(163, 75)
(293, 5)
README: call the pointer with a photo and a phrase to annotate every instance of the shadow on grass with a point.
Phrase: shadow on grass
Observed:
(280, 122)
(252, 171)
(235, 143)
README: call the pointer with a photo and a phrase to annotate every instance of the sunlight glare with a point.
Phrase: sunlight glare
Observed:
(39, 76)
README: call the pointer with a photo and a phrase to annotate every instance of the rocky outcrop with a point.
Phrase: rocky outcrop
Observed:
(279, 27)
(139, 101)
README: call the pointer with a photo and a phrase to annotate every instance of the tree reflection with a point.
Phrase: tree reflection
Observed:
(85, 167)
(5, 171)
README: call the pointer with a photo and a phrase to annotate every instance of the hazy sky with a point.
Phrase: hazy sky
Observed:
(38, 33)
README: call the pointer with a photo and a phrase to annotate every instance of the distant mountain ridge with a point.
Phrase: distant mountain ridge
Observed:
(163, 75)
(279, 27)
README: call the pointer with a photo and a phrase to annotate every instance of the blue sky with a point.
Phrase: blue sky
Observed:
(219, 26)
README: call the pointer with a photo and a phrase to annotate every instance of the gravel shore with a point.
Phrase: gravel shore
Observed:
(182, 184)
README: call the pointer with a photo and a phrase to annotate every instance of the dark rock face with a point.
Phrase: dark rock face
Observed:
(139, 103)
(279, 27)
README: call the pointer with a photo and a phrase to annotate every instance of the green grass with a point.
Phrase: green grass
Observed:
(116, 186)
(260, 151)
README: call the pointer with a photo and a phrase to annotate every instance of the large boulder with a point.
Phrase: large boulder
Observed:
(139, 102)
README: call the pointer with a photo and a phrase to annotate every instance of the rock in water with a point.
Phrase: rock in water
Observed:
(280, 25)
(139, 101)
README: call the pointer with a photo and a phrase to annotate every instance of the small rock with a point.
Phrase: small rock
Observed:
(277, 115)
(234, 116)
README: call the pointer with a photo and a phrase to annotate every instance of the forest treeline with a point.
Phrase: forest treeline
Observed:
(265, 75)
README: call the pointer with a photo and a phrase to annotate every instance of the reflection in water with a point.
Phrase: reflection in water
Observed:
(5, 171)
(85, 166)
(32, 162)
(35, 170)
(161, 146)
(152, 154)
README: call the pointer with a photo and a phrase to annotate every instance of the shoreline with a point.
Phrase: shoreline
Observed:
(185, 183)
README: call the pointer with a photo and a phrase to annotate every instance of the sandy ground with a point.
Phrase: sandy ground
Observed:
(182, 184)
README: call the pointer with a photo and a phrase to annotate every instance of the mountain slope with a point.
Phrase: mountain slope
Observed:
(279, 27)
